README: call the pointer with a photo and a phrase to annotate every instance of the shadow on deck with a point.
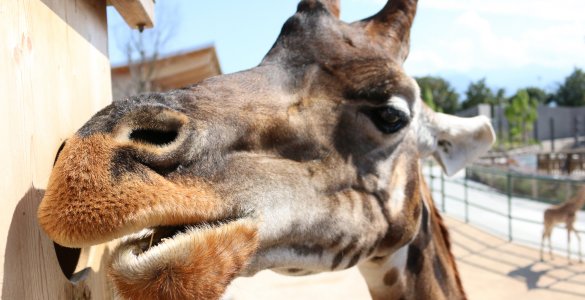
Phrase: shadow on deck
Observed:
(492, 268)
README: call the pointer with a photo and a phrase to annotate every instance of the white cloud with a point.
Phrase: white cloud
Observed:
(560, 10)
(515, 42)
(475, 41)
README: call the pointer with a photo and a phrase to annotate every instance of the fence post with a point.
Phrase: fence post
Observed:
(509, 193)
(534, 189)
(535, 131)
(465, 197)
(583, 122)
(552, 134)
(442, 192)
(576, 130)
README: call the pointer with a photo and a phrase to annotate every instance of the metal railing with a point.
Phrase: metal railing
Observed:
(498, 183)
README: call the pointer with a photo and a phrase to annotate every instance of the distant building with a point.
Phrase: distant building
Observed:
(168, 73)
(568, 122)
(552, 122)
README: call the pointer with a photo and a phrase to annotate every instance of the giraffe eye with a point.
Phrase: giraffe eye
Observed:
(390, 116)
(387, 118)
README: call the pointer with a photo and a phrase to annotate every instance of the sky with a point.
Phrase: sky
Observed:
(511, 43)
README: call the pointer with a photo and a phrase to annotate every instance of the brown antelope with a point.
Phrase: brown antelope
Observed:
(308, 163)
(563, 213)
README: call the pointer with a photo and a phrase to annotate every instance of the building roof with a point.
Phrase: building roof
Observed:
(179, 70)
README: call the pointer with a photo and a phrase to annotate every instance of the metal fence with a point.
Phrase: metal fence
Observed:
(515, 192)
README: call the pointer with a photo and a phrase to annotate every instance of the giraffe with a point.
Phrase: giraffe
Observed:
(564, 212)
(307, 163)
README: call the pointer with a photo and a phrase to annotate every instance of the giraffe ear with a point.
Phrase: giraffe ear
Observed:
(454, 141)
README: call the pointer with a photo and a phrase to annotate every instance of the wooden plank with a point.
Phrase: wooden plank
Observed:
(54, 75)
(136, 13)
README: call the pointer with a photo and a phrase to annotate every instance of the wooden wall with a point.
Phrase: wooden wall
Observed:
(54, 74)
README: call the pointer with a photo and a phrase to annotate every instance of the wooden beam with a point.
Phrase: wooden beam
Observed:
(137, 13)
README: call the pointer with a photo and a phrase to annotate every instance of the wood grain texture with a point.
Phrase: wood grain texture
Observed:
(54, 75)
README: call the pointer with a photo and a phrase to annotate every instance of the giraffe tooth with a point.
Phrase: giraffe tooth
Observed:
(151, 238)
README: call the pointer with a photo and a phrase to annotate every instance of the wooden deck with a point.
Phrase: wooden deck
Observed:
(490, 268)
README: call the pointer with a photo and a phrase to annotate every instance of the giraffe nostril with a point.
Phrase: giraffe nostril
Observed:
(152, 126)
(156, 137)
(168, 141)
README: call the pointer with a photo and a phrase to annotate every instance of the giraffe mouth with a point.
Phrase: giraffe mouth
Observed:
(151, 238)
(159, 238)
(195, 261)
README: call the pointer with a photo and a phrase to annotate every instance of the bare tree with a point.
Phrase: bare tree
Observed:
(143, 49)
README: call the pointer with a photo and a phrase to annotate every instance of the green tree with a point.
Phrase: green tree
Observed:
(572, 91)
(478, 93)
(438, 92)
(427, 96)
(499, 97)
(521, 112)
(538, 94)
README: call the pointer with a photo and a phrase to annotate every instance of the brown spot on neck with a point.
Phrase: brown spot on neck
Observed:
(391, 277)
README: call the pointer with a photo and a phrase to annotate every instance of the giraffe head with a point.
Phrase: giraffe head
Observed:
(307, 163)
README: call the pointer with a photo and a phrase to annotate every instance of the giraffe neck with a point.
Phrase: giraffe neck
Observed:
(423, 269)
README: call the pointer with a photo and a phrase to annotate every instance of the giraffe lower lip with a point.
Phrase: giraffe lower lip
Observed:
(184, 261)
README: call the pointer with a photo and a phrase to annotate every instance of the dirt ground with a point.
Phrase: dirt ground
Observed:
(490, 268)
